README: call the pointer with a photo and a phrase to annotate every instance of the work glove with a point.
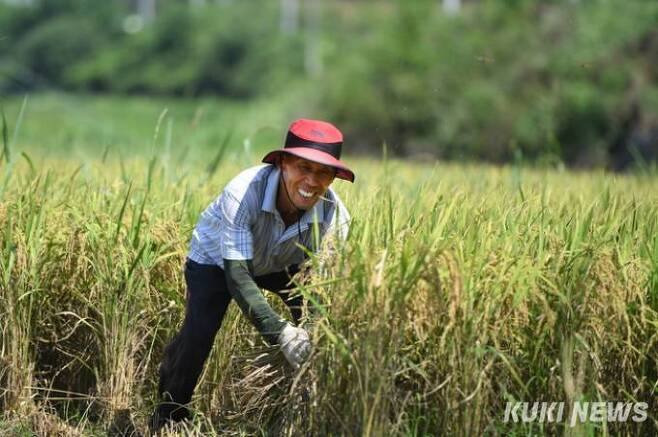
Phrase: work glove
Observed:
(295, 345)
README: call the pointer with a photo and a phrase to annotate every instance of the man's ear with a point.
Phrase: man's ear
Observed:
(279, 160)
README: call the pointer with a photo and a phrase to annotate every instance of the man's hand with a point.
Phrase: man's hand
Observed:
(295, 345)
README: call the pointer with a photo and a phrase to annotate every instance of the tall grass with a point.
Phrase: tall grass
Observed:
(458, 289)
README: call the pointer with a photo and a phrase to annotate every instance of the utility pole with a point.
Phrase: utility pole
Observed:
(146, 10)
(312, 43)
(451, 7)
(289, 16)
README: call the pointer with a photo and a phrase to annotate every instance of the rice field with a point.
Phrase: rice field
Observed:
(460, 288)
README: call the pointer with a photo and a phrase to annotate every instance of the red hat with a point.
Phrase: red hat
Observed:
(317, 141)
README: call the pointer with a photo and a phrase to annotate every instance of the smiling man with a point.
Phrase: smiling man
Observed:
(255, 236)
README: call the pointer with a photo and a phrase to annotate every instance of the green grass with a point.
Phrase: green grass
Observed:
(459, 288)
(57, 125)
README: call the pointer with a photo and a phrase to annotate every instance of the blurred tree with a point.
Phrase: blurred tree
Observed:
(555, 81)
(201, 50)
(543, 81)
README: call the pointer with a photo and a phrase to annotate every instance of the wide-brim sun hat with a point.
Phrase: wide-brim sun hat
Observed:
(316, 141)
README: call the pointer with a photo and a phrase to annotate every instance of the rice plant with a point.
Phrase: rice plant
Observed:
(460, 287)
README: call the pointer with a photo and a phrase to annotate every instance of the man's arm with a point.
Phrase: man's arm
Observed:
(235, 222)
(243, 288)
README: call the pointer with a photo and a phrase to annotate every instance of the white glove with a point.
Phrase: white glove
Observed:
(295, 345)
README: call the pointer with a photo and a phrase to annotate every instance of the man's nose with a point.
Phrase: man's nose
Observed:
(312, 180)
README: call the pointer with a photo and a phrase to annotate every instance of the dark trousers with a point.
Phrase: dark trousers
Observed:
(207, 300)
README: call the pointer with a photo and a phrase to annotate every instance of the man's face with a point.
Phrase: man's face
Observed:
(306, 180)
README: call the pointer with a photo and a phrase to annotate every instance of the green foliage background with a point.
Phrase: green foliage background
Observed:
(546, 81)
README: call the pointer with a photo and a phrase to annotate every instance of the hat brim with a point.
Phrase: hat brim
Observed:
(342, 172)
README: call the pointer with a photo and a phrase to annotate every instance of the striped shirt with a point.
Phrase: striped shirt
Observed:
(243, 223)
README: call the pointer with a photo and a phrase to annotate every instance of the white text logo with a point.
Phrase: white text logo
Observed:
(553, 412)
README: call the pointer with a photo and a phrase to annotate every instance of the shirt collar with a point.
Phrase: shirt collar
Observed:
(269, 200)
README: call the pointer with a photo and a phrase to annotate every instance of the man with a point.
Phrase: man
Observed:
(254, 235)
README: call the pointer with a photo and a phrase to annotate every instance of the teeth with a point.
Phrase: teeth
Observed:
(305, 193)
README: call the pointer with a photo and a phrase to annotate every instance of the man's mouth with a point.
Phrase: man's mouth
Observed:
(305, 194)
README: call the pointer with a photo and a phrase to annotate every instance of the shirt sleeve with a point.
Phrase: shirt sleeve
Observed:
(237, 238)
(243, 288)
